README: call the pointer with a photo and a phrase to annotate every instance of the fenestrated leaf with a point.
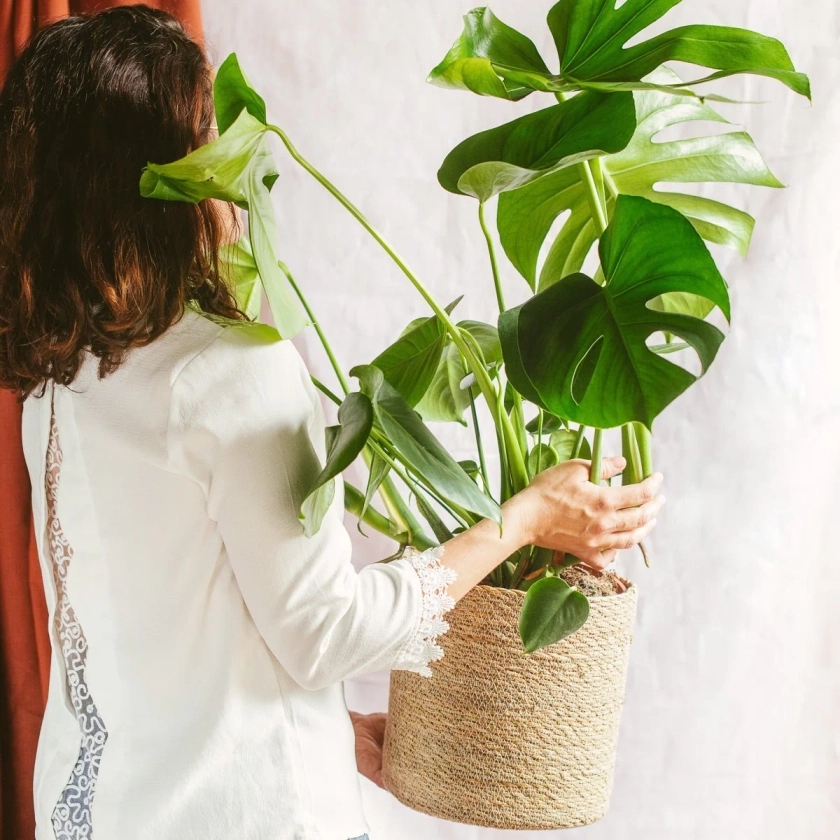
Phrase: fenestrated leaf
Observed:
(591, 38)
(344, 443)
(420, 447)
(525, 149)
(238, 166)
(242, 275)
(485, 45)
(578, 348)
(448, 396)
(525, 217)
(551, 610)
(409, 364)
(232, 92)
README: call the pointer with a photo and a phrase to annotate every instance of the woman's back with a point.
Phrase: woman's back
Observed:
(191, 726)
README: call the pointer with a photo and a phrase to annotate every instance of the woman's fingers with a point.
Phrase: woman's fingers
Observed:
(633, 495)
(629, 519)
(599, 560)
(627, 539)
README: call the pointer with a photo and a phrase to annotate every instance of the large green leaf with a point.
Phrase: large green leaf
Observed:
(526, 216)
(485, 46)
(591, 35)
(448, 394)
(409, 364)
(579, 349)
(232, 92)
(551, 611)
(344, 443)
(238, 166)
(242, 275)
(420, 447)
(521, 151)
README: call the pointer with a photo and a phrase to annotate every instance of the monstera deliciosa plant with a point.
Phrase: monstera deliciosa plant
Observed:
(587, 351)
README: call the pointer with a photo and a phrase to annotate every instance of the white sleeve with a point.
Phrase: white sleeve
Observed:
(247, 425)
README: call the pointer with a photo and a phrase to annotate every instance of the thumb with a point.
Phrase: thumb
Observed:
(611, 467)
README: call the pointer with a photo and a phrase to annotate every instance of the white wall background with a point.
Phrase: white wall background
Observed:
(732, 723)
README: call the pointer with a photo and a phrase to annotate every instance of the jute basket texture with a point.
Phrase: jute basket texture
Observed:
(503, 739)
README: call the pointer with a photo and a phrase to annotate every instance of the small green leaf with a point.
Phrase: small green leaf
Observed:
(563, 443)
(540, 458)
(420, 447)
(315, 507)
(377, 472)
(344, 443)
(524, 150)
(232, 92)
(551, 611)
(579, 349)
(550, 423)
(486, 49)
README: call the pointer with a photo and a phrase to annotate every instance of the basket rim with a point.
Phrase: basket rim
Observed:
(518, 593)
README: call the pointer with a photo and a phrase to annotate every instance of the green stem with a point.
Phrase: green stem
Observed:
(592, 195)
(643, 438)
(324, 343)
(354, 501)
(483, 380)
(581, 433)
(477, 431)
(491, 250)
(595, 468)
(630, 451)
(325, 391)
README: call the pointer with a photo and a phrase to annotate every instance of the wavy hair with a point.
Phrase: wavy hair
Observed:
(87, 263)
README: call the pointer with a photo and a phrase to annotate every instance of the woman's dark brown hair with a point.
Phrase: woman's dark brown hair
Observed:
(85, 261)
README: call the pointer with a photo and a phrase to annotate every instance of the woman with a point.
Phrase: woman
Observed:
(199, 639)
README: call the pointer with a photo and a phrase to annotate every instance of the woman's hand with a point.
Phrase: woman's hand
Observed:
(563, 510)
(370, 735)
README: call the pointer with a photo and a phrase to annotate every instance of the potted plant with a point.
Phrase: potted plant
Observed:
(526, 703)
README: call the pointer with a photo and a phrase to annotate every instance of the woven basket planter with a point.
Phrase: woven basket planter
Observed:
(504, 739)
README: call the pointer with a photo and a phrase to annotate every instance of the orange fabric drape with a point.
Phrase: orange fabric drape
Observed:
(24, 640)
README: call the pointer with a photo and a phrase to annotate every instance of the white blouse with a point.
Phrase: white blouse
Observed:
(199, 638)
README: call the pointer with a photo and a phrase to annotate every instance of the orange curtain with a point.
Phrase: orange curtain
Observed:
(24, 640)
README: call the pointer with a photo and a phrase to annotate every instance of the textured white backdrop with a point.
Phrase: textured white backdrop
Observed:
(732, 723)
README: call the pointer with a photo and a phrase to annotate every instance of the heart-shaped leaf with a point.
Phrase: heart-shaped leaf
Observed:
(563, 443)
(540, 458)
(419, 446)
(523, 150)
(579, 349)
(344, 443)
(448, 394)
(484, 47)
(238, 166)
(551, 610)
(591, 38)
(526, 216)
(232, 92)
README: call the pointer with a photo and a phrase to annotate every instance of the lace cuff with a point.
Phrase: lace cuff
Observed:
(434, 580)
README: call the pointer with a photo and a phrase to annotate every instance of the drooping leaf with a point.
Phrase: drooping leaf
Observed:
(242, 275)
(448, 394)
(409, 364)
(578, 348)
(550, 423)
(232, 92)
(526, 216)
(238, 166)
(315, 507)
(540, 458)
(419, 446)
(485, 45)
(377, 472)
(439, 529)
(344, 443)
(525, 149)
(591, 38)
(551, 610)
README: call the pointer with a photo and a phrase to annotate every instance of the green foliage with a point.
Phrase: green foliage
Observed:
(242, 274)
(232, 92)
(551, 611)
(526, 216)
(344, 443)
(530, 147)
(579, 348)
